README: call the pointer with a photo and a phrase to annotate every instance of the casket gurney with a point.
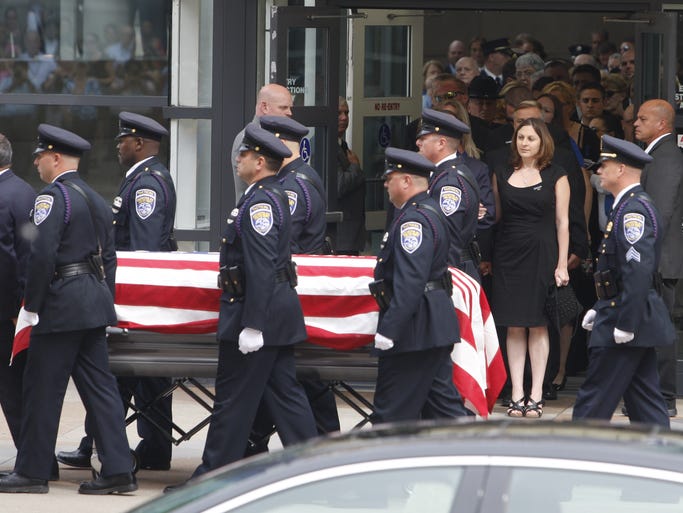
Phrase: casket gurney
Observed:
(167, 306)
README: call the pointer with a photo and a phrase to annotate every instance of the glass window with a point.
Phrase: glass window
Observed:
(580, 491)
(386, 61)
(306, 55)
(410, 490)
(194, 54)
(103, 47)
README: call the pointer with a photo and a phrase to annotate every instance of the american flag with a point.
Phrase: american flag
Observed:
(176, 293)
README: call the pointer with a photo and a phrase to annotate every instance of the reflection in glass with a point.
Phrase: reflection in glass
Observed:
(386, 61)
(307, 51)
(652, 77)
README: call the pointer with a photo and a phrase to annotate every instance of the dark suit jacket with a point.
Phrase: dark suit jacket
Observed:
(662, 179)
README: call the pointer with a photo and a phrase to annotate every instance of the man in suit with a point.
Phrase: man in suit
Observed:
(417, 323)
(662, 179)
(144, 213)
(496, 54)
(629, 320)
(69, 301)
(16, 202)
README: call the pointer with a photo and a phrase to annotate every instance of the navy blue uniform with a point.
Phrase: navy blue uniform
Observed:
(415, 377)
(16, 202)
(144, 220)
(630, 250)
(458, 201)
(307, 206)
(257, 240)
(69, 339)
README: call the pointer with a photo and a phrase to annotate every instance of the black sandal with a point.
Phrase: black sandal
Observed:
(516, 409)
(535, 407)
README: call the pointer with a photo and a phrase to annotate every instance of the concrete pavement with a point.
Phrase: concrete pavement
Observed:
(63, 496)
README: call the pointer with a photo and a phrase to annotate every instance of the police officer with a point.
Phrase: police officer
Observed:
(260, 316)
(16, 202)
(629, 319)
(69, 301)
(452, 186)
(417, 322)
(144, 212)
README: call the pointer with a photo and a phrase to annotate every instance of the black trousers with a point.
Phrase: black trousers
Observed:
(416, 384)
(666, 355)
(242, 381)
(626, 371)
(52, 359)
(11, 379)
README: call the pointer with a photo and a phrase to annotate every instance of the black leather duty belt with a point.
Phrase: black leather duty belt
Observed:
(434, 285)
(281, 276)
(68, 270)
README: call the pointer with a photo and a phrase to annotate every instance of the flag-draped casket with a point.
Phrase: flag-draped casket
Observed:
(176, 293)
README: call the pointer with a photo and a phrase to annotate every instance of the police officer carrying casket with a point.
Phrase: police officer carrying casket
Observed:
(69, 302)
(260, 316)
(144, 212)
(452, 186)
(629, 319)
(417, 322)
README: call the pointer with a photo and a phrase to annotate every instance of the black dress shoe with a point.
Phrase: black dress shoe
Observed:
(16, 483)
(118, 483)
(147, 461)
(78, 459)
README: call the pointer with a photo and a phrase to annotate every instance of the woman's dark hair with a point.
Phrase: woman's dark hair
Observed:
(557, 116)
(545, 152)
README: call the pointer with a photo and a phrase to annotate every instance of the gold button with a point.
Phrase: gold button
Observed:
(606, 284)
(379, 259)
(224, 240)
(232, 299)
(612, 304)
(114, 221)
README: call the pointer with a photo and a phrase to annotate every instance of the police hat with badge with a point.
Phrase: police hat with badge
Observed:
(261, 141)
(405, 161)
(58, 140)
(578, 49)
(441, 123)
(283, 127)
(623, 151)
(501, 45)
(137, 125)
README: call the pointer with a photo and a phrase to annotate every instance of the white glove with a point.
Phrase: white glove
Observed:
(250, 340)
(588, 320)
(621, 337)
(26, 317)
(383, 343)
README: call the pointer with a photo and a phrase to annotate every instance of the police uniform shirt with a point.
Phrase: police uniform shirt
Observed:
(415, 251)
(307, 206)
(257, 238)
(630, 250)
(144, 209)
(66, 235)
(458, 201)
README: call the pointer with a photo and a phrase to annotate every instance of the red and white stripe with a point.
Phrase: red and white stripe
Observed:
(177, 293)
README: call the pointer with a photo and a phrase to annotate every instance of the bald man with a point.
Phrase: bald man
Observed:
(456, 50)
(662, 179)
(272, 100)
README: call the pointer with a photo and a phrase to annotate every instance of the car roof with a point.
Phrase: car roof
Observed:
(644, 446)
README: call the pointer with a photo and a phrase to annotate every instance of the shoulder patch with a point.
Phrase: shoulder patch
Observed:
(449, 199)
(292, 198)
(634, 227)
(42, 208)
(411, 236)
(261, 216)
(145, 202)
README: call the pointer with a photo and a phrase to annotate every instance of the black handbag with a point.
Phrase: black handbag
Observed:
(561, 306)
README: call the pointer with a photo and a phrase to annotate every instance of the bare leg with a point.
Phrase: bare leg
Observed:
(539, 347)
(516, 349)
(565, 343)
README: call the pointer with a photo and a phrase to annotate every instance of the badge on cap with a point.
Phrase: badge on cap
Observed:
(449, 199)
(42, 208)
(261, 216)
(293, 200)
(145, 202)
(411, 236)
(634, 227)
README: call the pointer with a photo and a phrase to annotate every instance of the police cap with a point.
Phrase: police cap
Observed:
(138, 125)
(483, 87)
(262, 141)
(501, 45)
(405, 161)
(623, 151)
(53, 138)
(283, 127)
(442, 123)
(578, 49)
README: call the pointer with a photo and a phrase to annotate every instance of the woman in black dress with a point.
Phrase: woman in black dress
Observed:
(530, 255)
